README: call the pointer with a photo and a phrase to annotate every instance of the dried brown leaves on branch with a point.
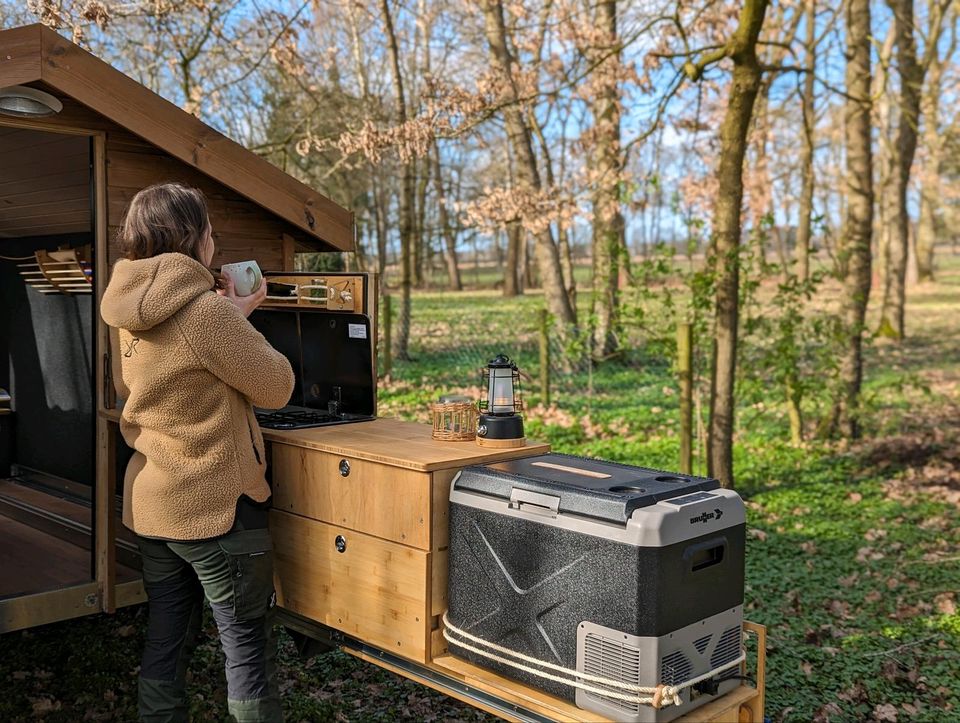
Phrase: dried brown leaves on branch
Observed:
(286, 55)
(447, 111)
(498, 207)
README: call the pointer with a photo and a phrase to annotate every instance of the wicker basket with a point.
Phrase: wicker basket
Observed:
(454, 421)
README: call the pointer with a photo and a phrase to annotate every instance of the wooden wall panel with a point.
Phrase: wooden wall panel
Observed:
(45, 188)
(44, 183)
(242, 230)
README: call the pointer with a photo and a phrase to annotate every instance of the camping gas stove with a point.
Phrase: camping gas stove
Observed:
(301, 418)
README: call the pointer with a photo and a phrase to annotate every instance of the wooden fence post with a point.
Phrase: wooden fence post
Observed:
(387, 334)
(685, 374)
(544, 357)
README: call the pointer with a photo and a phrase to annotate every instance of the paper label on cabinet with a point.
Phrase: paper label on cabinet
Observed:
(357, 331)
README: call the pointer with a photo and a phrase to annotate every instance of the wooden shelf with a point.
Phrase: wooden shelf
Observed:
(723, 709)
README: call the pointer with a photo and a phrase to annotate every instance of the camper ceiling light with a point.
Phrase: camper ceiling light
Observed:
(24, 102)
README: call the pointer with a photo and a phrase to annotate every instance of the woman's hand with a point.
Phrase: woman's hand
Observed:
(246, 304)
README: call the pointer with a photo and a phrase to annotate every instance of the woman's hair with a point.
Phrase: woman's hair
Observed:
(164, 218)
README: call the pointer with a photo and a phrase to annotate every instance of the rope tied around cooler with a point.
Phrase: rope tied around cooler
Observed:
(657, 696)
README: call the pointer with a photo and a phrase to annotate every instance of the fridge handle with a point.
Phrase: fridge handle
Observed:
(530, 501)
(705, 554)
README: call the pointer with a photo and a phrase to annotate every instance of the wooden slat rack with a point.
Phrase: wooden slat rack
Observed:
(58, 272)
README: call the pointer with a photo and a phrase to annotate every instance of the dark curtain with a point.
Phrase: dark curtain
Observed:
(46, 362)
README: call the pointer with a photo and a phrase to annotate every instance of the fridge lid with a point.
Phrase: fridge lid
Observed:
(581, 486)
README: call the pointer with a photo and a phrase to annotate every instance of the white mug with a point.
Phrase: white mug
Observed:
(246, 276)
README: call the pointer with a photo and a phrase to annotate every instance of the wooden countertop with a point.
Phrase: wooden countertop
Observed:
(397, 443)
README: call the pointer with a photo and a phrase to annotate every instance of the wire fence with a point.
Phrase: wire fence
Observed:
(631, 396)
(451, 341)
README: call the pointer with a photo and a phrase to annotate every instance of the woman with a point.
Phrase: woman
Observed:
(192, 368)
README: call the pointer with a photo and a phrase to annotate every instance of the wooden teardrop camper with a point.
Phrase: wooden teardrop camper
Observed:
(77, 140)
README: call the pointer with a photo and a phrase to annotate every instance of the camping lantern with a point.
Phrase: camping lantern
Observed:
(500, 425)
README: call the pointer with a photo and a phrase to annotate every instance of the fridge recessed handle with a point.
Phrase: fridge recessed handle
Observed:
(705, 554)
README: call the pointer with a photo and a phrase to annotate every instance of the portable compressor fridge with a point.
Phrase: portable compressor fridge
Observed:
(625, 573)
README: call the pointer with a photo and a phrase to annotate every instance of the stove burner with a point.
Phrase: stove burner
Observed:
(301, 419)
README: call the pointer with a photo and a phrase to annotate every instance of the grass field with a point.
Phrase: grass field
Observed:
(853, 558)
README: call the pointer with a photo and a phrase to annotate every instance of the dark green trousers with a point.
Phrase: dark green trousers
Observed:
(235, 574)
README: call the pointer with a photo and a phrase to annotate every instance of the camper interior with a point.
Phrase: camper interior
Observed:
(47, 341)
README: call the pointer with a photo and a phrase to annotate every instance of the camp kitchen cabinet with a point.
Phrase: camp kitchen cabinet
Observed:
(360, 525)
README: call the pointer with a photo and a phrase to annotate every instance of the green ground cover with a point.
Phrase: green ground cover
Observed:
(853, 558)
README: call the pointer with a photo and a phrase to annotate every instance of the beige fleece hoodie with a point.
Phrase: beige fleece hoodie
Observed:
(192, 366)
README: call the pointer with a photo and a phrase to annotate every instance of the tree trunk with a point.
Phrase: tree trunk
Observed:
(454, 282)
(563, 234)
(804, 227)
(884, 160)
(407, 192)
(607, 163)
(745, 84)
(380, 212)
(527, 173)
(930, 223)
(759, 137)
(858, 224)
(420, 239)
(529, 278)
(566, 265)
(512, 267)
(911, 81)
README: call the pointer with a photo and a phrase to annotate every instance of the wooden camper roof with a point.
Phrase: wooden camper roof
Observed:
(36, 55)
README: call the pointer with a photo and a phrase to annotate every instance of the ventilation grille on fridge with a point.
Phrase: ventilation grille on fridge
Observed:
(612, 659)
(727, 649)
(702, 643)
(675, 668)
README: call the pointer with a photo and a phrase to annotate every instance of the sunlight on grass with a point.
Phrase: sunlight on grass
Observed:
(840, 566)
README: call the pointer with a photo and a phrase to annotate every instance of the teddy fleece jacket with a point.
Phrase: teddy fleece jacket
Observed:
(192, 368)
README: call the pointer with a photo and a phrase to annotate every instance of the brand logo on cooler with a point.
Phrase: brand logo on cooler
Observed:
(707, 516)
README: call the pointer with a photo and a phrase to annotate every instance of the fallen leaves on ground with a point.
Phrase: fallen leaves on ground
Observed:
(885, 712)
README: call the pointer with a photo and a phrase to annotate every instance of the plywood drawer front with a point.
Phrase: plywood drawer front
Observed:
(374, 590)
(377, 499)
